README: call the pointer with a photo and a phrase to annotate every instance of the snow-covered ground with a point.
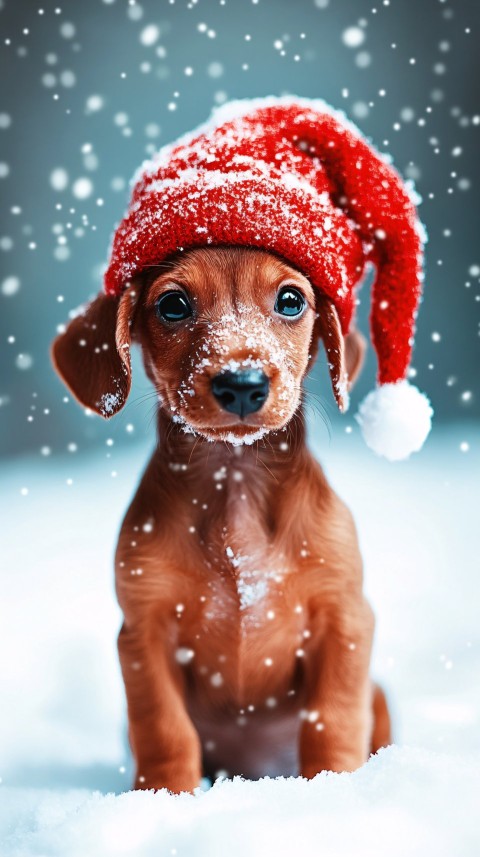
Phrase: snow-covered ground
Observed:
(63, 754)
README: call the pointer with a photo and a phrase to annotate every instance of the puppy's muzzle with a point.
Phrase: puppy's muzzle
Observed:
(242, 392)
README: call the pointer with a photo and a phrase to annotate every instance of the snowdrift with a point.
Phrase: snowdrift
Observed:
(403, 802)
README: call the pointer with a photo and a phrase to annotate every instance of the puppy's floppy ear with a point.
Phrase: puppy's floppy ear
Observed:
(345, 355)
(92, 356)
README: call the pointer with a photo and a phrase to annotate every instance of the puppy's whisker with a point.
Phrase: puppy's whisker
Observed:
(311, 395)
(272, 448)
(193, 449)
(145, 397)
(151, 414)
(293, 427)
(267, 469)
(318, 406)
(319, 414)
(171, 426)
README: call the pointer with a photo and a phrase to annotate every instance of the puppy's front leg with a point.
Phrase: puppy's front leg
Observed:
(164, 742)
(336, 732)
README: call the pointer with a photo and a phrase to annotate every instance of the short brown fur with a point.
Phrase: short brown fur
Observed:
(246, 638)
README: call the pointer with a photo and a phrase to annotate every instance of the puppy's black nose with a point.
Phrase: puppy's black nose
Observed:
(241, 392)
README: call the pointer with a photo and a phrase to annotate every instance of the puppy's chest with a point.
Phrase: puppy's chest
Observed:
(248, 615)
(249, 619)
(248, 631)
(246, 584)
(248, 571)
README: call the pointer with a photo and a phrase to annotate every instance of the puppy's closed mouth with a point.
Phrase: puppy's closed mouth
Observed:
(235, 437)
(236, 432)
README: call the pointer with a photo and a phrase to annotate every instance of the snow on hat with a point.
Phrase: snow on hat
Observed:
(292, 176)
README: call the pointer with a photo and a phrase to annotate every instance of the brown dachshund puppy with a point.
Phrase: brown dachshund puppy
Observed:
(246, 640)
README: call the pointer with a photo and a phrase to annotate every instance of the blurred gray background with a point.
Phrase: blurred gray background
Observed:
(90, 89)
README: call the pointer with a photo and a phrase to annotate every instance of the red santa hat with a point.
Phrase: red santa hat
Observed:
(292, 176)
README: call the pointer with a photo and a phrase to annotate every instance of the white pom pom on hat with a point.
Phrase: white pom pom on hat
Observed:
(395, 420)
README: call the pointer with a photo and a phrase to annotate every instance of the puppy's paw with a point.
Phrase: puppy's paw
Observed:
(176, 779)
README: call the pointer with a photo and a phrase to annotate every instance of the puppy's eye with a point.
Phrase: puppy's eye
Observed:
(173, 306)
(289, 302)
